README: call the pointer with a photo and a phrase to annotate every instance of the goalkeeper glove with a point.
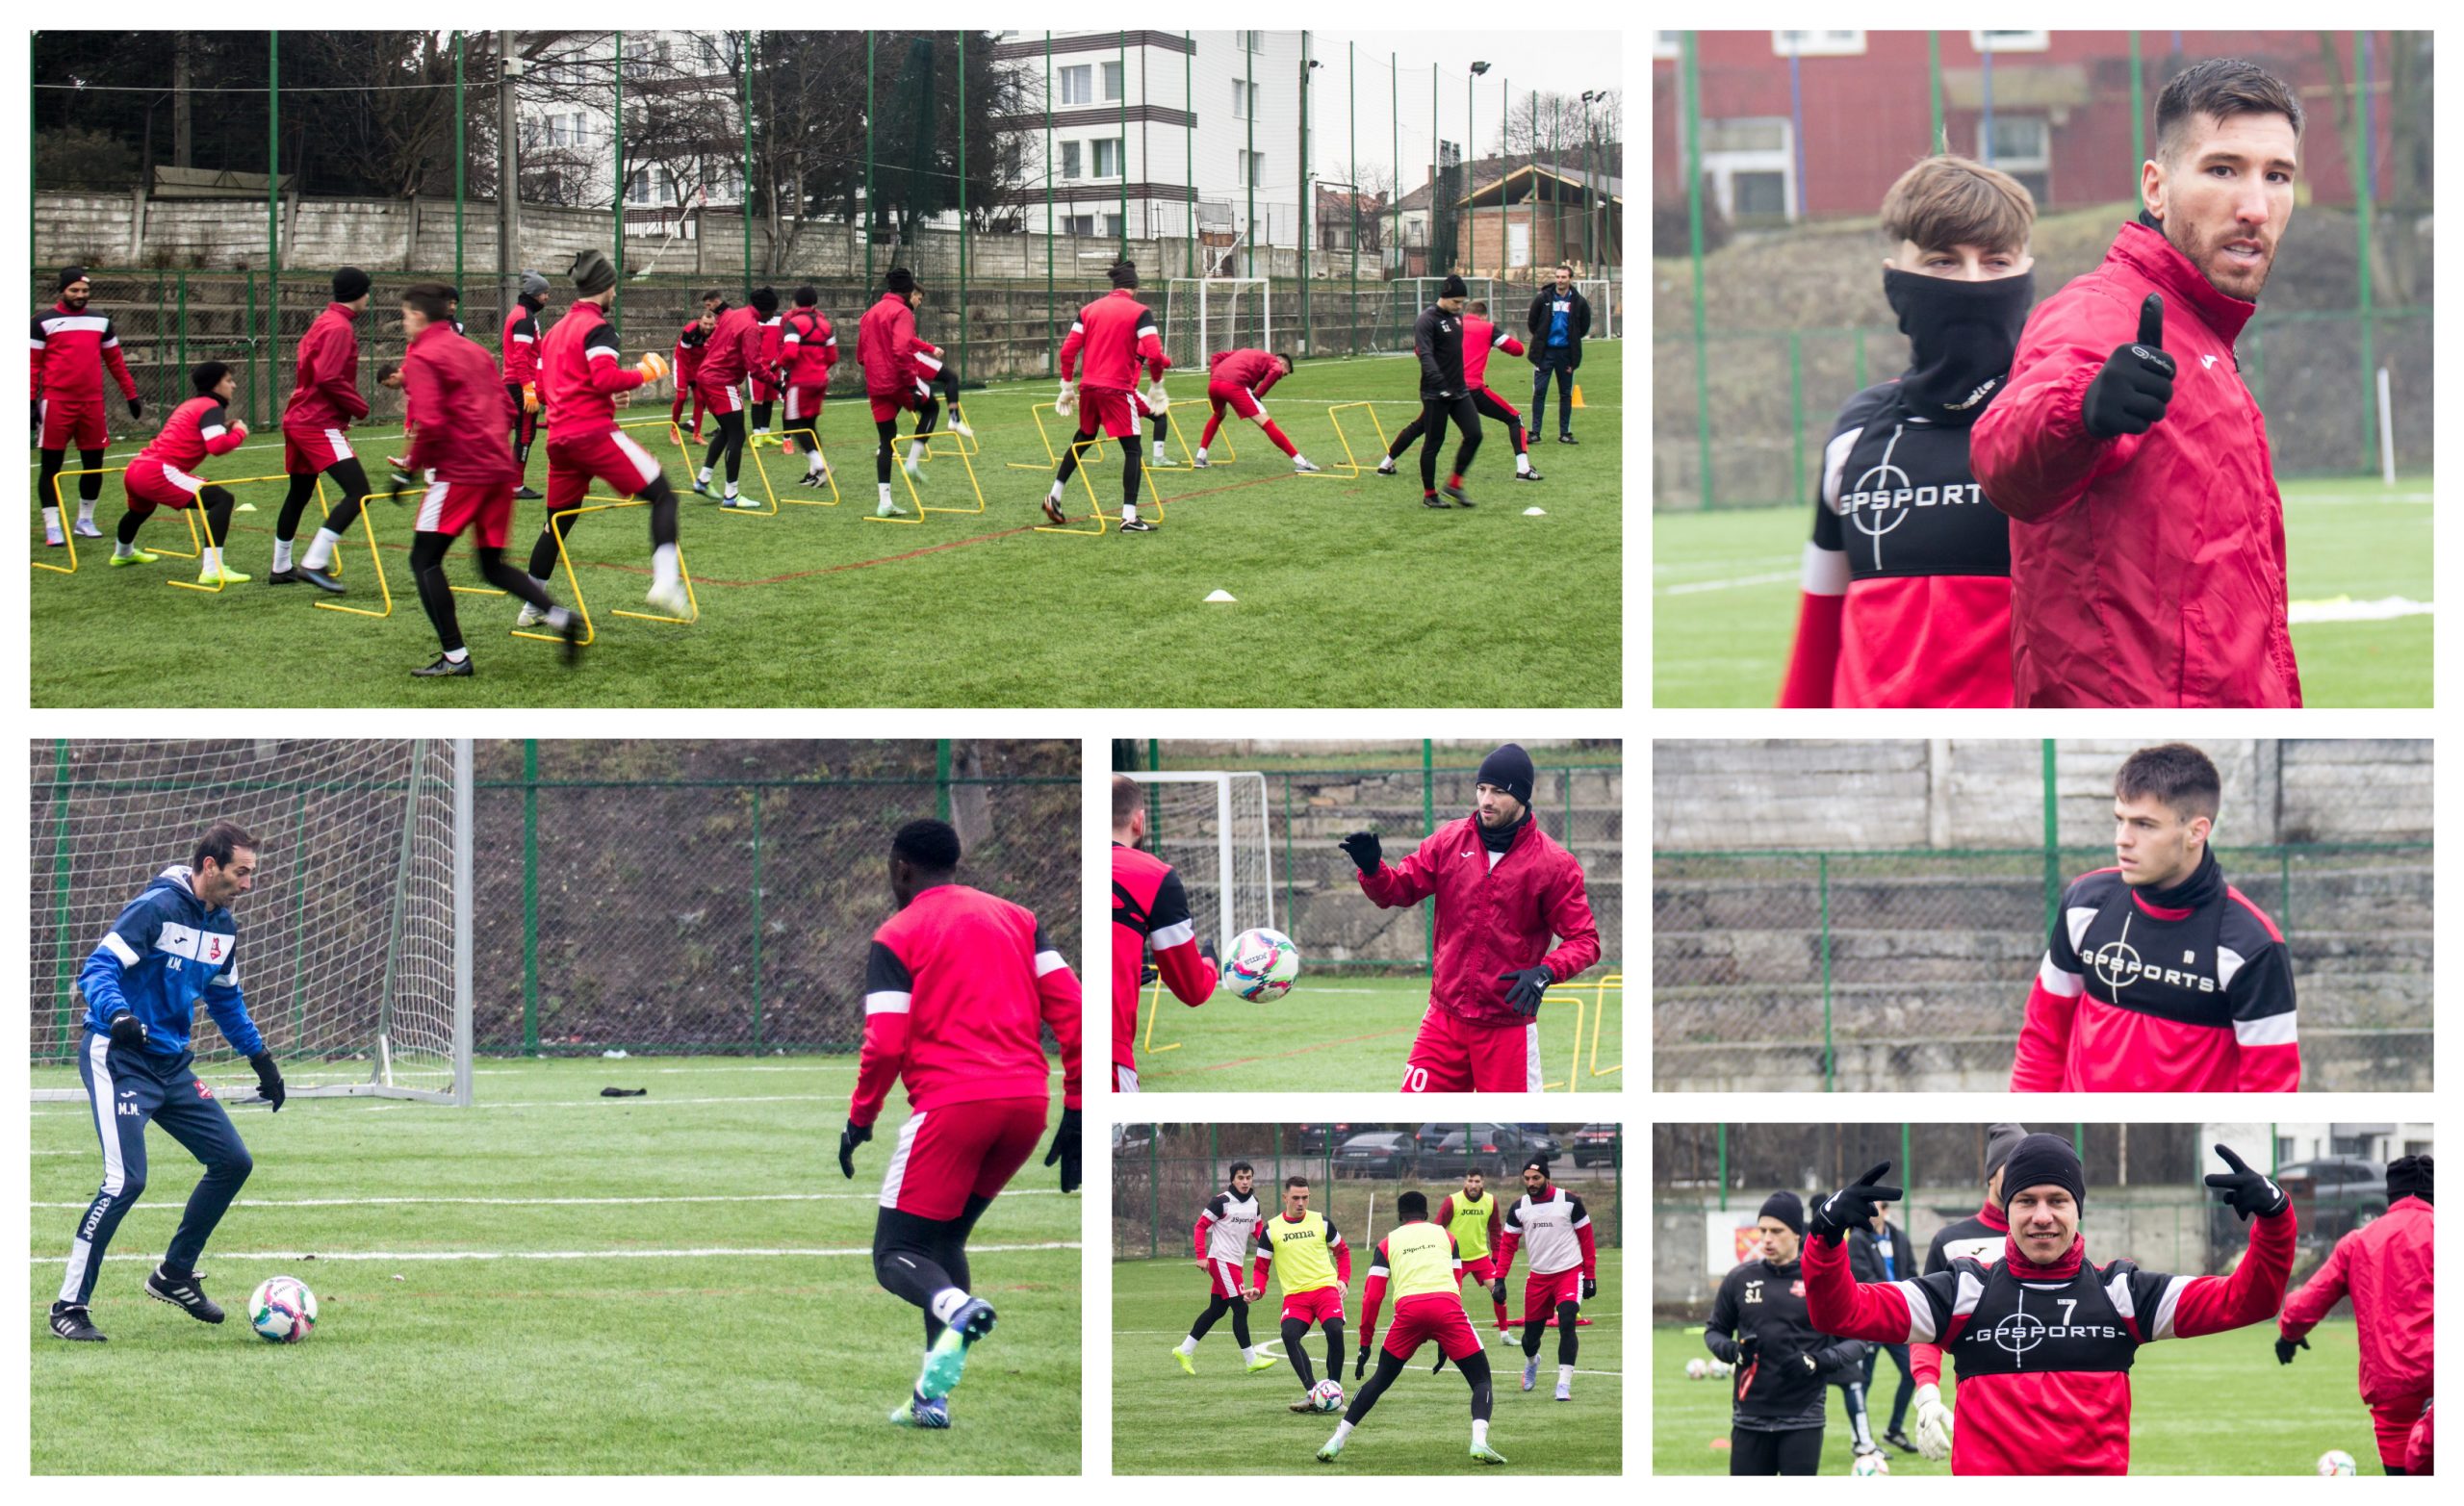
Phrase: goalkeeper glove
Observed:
(530, 396)
(268, 1079)
(136, 408)
(1065, 402)
(849, 1138)
(1933, 1423)
(1360, 1361)
(652, 366)
(127, 1030)
(1157, 398)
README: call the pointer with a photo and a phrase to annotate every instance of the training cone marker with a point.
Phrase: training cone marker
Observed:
(1535, 512)
(1222, 596)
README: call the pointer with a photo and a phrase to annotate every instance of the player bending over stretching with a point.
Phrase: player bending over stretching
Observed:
(1419, 1262)
(1313, 1263)
(958, 991)
(580, 376)
(1480, 338)
(732, 353)
(1222, 1239)
(163, 474)
(1236, 379)
(1116, 335)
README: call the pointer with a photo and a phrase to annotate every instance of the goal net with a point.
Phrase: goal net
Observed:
(1203, 316)
(1407, 296)
(1211, 828)
(1606, 296)
(354, 955)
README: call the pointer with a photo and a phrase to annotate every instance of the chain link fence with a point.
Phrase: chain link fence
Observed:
(1868, 915)
(1163, 1174)
(668, 896)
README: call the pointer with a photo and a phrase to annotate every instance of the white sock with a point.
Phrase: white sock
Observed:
(1129, 512)
(541, 584)
(1189, 1345)
(1201, 453)
(558, 617)
(704, 476)
(1565, 1376)
(1343, 1429)
(663, 571)
(321, 549)
(86, 509)
(1250, 1355)
(51, 519)
(211, 564)
(886, 501)
(1522, 463)
(122, 551)
(813, 467)
(947, 1301)
(730, 490)
(1159, 451)
(1057, 489)
(281, 554)
(915, 452)
(1480, 1431)
(456, 655)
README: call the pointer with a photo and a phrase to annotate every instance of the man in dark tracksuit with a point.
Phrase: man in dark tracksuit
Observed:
(1560, 317)
(172, 945)
(1446, 394)
(1881, 1252)
(1758, 1325)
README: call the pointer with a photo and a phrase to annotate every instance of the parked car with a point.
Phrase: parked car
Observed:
(1378, 1153)
(1595, 1145)
(1316, 1140)
(1510, 1139)
(1131, 1138)
(1498, 1150)
(2332, 1196)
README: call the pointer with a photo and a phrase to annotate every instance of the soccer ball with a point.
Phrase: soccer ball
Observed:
(1261, 965)
(1721, 1369)
(1869, 1464)
(1696, 1370)
(282, 1310)
(1326, 1396)
(2335, 1461)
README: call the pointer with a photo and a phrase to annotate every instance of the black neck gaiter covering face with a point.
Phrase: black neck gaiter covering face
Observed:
(1962, 335)
(1498, 839)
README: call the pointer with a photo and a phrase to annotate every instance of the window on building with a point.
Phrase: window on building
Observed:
(1252, 42)
(1818, 45)
(1113, 81)
(1666, 44)
(1752, 170)
(1078, 85)
(2022, 146)
(1078, 224)
(1244, 99)
(1069, 160)
(1251, 167)
(2011, 41)
(1108, 158)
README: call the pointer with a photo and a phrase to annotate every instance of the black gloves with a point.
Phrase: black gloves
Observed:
(2284, 1348)
(1524, 998)
(1497, 1291)
(1065, 1150)
(2128, 396)
(2247, 1191)
(1590, 1288)
(137, 407)
(1361, 847)
(1749, 1350)
(1146, 974)
(1360, 1361)
(1794, 1364)
(849, 1138)
(268, 1079)
(33, 416)
(1851, 1204)
(127, 1030)
(1206, 950)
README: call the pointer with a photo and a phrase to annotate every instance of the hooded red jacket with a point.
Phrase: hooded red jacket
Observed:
(1492, 919)
(2147, 570)
(2385, 1267)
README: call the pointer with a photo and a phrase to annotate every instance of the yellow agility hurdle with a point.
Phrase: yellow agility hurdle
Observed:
(770, 497)
(68, 528)
(1350, 470)
(1094, 503)
(581, 605)
(913, 495)
(375, 562)
(1599, 989)
(1146, 1046)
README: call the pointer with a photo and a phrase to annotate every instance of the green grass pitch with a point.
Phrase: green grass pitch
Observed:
(1334, 1033)
(1347, 591)
(550, 1283)
(2214, 1405)
(1224, 1422)
(1724, 596)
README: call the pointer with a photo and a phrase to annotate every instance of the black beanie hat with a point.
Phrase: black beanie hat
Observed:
(1787, 1207)
(2000, 1140)
(765, 301)
(900, 281)
(1124, 273)
(70, 276)
(207, 376)
(2410, 1176)
(592, 273)
(2044, 1160)
(349, 282)
(1453, 287)
(1509, 769)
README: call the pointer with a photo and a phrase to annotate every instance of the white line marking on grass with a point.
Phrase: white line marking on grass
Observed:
(558, 1254)
(2348, 499)
(166, 1207)
(2345, 609)
(1695, 587)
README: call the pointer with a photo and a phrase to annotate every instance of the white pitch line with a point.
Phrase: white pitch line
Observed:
(2345, 609)
(169, 1207)
(713, 1253)
(1696, 587)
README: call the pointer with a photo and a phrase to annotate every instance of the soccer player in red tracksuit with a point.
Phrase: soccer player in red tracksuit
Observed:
(580, 374)
(2147, 553)
(688, 361)
(732, 354)
(1297, 1245)
(2160, 977)
(1502, 888)
(807, 348)
(2042, 1339)
(1565, 1270)
(1480, 338)
(1116, 335)
(518, 349)
(72, 347)
(1236, 379)
(324, 403)
(1473, 1210)
(959, 989)
(2386, 1267)
(163, 474)
(463, 405)
(903, 373)
(1150, 916)
(1418, 1264)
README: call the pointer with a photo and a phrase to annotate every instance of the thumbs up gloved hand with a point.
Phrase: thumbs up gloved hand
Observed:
(2130, 395)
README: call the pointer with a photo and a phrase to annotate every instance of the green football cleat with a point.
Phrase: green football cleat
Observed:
(1261, 1363)
(133, 557)
(1188, 1365)
(946, 1361)
(1482, 1453)
(225, 576)
(918, 1412)
(1333, 1449)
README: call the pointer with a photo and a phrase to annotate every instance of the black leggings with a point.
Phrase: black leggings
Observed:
(1474, 1366)
(1485, 402)
(1794, 1451)
(526, 424)
(1296, 1347)
(915, 1257)
(1569, 1328)
(90, 486)
(1435, 414)
(436, 594)
(560, 525)
(216, 500)
(1238, 1306)
(348, 475)
(1131, 469)
(728, 441)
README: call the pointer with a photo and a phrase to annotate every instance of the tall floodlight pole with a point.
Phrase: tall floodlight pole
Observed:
(459, 164)
(1050, 326)
(1249, 174)
(1307, 330)
(744, 102)
(508, 161)
(616, 141)
(273, 207)
(867, 220)
(1121, 150)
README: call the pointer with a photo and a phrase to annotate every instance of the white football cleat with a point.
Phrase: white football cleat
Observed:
(670, 599)
(529, 616)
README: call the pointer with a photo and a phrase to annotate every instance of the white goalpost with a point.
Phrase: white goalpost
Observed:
(1212, 827)
(1203, 316)
(1607, 297)
(354, 943)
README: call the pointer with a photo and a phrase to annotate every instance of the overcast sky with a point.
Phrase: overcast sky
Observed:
(1522, 60)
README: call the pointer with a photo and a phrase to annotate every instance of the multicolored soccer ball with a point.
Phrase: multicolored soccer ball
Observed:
(2335, 1461)
(1698, 1368)
(1326, 1396)
(1869, 1464)
(1262, 966)
(282, 1310)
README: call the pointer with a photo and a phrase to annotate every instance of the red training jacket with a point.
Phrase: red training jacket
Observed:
(70, 350)
(1492, 919)
(579, 374)
(1117, 334)
(2385, 1267)
(958, 989)
(459, 395)
(1151, 912)
(1258, 370)
(893, 358)
(325, 394)
(519, 347)
(688, 349)
(196, 429)
(808, 346)
(1480, 338)
(732, 350)
(2147, 570)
